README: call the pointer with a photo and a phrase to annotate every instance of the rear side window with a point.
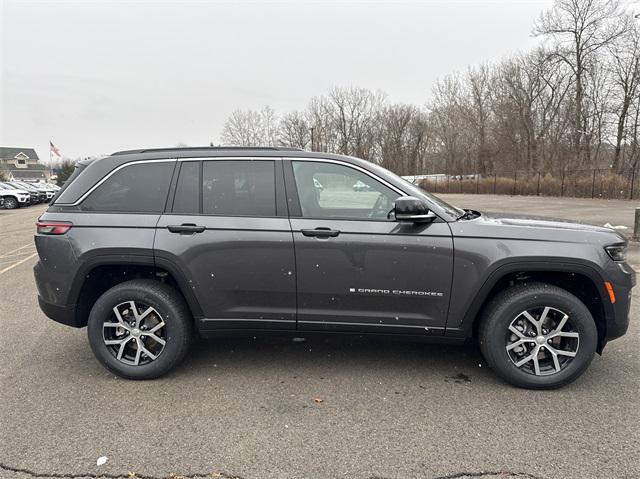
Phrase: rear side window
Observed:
(239, 188)
(138, 188)
(187, 189)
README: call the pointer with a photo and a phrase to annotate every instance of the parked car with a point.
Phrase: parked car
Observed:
(14, 197)
(34, 195)
(361, 186)
(44, 194)
(144, 247)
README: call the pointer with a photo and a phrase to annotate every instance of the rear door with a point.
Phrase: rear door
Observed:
(226, 232)
(357, 268)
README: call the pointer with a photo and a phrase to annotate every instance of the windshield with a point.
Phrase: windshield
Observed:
(417, 191)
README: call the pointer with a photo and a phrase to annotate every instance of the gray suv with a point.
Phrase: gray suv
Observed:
(147, 247)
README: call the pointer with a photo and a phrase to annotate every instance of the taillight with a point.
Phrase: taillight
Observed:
(53, 227)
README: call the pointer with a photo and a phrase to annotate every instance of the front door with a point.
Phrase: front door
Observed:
(227, 231)
(357, 268)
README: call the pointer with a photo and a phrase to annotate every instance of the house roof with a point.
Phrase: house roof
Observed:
(27, 174)
(8, 153)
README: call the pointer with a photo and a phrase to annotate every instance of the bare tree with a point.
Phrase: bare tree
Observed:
(353, 112)
(447, 122)
(625, 70)
(531, 89)
(580, 28)
(477, 112)
(251, 128)
(402, 135)
(295, 130)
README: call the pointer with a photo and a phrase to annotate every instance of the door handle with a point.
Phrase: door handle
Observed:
(186, 228)
(321, 232)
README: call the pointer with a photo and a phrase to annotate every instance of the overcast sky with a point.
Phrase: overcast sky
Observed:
(100, 76)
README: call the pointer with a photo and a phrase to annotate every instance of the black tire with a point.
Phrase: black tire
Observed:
(11, 203)
(509, 305)
(177, 329)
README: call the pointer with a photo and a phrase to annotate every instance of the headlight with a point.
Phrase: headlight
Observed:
(617, 252)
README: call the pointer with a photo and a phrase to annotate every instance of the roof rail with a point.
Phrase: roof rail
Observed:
(210, 148)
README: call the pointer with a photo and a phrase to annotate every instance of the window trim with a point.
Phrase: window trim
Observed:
(111, 173)
(167, 194)
(298, 213)
(288, 159)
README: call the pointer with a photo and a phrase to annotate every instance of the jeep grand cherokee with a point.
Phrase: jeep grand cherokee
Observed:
(147, 247)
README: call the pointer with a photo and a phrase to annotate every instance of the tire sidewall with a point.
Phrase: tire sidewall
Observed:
(174, 329)
(494, 345)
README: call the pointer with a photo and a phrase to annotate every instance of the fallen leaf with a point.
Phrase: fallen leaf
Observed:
(318, 400)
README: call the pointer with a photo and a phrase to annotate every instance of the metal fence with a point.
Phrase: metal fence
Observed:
(595, 183)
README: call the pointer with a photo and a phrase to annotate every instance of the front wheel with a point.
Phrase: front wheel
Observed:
(140, 329)
(538, 336)
(11, 203)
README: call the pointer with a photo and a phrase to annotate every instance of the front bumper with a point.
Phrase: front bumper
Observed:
(623, 279)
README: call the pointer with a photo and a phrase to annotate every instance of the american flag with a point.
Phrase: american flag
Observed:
(54, 149)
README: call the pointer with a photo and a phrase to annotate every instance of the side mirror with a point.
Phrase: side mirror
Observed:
(409, 208)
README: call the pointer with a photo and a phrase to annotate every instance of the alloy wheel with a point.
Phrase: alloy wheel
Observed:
(542, 341)
(135, 334)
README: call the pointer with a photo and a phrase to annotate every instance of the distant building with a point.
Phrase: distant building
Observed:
(22, 164)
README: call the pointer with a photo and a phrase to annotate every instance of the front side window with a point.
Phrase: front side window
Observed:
(238, 188)
(329, 190)
(137, 188)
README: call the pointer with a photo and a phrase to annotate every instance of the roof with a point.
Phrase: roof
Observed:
(9, 153)
(26, 174)
(207, 148)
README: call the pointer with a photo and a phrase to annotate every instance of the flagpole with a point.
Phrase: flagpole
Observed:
(50, 162)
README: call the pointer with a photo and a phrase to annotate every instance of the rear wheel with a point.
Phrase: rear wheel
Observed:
(140, 329)
(538, 336)
(10, 203)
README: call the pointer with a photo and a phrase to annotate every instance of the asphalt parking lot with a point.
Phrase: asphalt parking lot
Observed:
(320, 408)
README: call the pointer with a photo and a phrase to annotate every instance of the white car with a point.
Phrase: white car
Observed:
(14, 198)
(361, 186)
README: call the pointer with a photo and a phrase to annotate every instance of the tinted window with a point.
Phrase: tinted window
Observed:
(187, 189)
(140, 188)
(238, 188)
(328, 190)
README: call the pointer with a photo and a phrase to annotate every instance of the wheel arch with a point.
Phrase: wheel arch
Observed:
(102, 273)
(583, 281)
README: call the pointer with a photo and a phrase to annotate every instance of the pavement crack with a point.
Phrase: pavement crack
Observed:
(488, 474)
(129, 475)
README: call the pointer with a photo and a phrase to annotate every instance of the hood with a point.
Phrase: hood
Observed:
(531, 227)
(12, 190)
(533, 221)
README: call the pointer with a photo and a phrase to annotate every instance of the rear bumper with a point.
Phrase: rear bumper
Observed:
(61, 314)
